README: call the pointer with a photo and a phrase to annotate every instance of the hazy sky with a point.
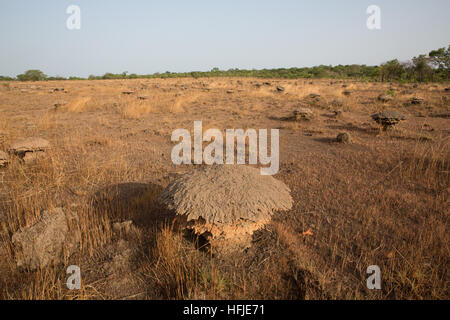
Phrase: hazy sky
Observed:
(146, 36)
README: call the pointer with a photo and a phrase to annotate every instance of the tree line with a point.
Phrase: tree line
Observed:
(435, 66)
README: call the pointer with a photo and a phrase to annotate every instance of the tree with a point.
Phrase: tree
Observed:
(392, 70)
(440, 59)
(421, 67)
(408, 66)
(354, 71)
(32, 75)
(5, 78)
(110, 76)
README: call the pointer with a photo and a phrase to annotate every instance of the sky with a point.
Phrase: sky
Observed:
(147, 36)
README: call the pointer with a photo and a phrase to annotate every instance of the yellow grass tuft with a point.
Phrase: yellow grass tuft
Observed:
(79, 104)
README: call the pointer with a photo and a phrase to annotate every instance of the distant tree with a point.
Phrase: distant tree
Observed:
(59, 78)
(354, 71)
(434, 66)
(422, 68)
(109, 75)
(409, 73)
(5, 78)
(392, 70)
(440, 59)
(32, 75)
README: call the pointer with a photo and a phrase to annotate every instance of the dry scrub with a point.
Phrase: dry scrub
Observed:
(382, 199)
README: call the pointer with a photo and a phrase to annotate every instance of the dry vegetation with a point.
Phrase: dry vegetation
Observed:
(382, 199)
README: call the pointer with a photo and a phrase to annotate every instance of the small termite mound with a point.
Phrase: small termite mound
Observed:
(388, 119)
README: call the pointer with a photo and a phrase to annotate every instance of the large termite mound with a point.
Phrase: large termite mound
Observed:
(226, 203)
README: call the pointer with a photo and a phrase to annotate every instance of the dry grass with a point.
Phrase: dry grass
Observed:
(136, 109)
(381, 200)
(79, 104)
(182, 272)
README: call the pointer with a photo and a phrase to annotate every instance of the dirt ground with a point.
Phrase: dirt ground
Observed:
(381, 200)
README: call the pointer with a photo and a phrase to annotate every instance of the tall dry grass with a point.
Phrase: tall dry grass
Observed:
(180, 271)
(65, 177)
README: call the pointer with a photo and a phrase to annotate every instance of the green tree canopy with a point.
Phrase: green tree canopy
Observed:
(441, 59)
(32, 75)
(421, 67)
(392, 70)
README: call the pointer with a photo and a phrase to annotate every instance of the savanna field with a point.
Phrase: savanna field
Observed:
(381, 198)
